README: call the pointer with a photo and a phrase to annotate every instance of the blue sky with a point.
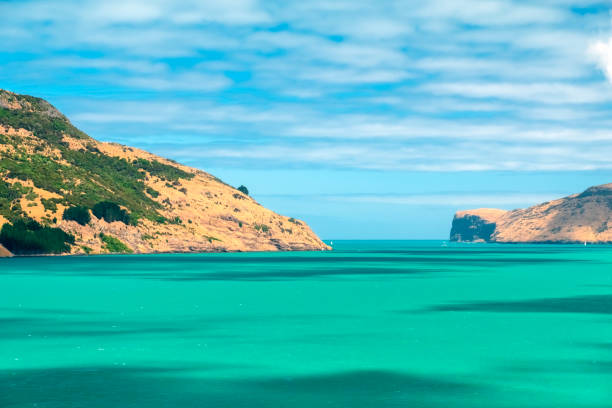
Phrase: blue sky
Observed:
(368, 119)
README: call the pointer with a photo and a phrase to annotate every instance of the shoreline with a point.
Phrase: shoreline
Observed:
(162, 253)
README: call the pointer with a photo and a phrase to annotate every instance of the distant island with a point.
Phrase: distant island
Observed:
(585, 217)
(62, 192)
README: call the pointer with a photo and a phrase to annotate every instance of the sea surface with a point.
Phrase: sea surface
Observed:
(371, 324)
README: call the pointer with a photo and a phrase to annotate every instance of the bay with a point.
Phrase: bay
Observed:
(370, 324)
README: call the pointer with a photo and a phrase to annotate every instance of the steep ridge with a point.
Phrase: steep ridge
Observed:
(63, 192)
(585, 217)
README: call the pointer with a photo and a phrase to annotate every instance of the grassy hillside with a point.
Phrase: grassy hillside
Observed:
(82, 177)
(59, 177)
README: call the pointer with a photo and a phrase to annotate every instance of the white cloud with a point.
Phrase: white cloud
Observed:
(92, 117)
(372, 84)
(544, 92)
(450, 158)
(377, 28)
(139, 11)
(601, 52)
(120, 11)
(141, 66)
(191, 81)
(354, 76)
(476, 67)
(491, 12)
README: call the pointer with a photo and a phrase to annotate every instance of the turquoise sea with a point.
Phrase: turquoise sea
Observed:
(371, 324)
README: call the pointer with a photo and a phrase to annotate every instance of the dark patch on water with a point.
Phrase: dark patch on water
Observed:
(39, 311)
(257, 267)
(600, 346)
(191, 327)
(590, 304)
(243, 272)
(12, 321)
(15, 328)
(363, 383)
(557, 367)
(243, 260)
(290, 274)
(123, 387)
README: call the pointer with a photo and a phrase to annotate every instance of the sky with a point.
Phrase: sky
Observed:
(368, 119)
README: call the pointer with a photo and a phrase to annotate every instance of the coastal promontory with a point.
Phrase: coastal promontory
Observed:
(584, 217)
(63, 192)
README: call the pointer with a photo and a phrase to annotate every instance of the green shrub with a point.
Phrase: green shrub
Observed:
(261, 227)
(31, 196)
(42, 125)
(8, 192)
(243, 190)
(28, 237)
(153, 193)
(114, 245)
(111, 212)
(50, 204)
(79, 214)
(163, 171)
(175, 221)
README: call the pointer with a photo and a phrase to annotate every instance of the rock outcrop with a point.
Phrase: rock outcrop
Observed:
(49, 166)
(585, 217)
(475, 225)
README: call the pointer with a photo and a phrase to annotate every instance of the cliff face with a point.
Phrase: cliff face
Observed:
(577, 218)
(475, 225)
(126, 199)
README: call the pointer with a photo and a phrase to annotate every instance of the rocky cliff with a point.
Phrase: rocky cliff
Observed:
(475, 225)
(59, 184)
(577, 218)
